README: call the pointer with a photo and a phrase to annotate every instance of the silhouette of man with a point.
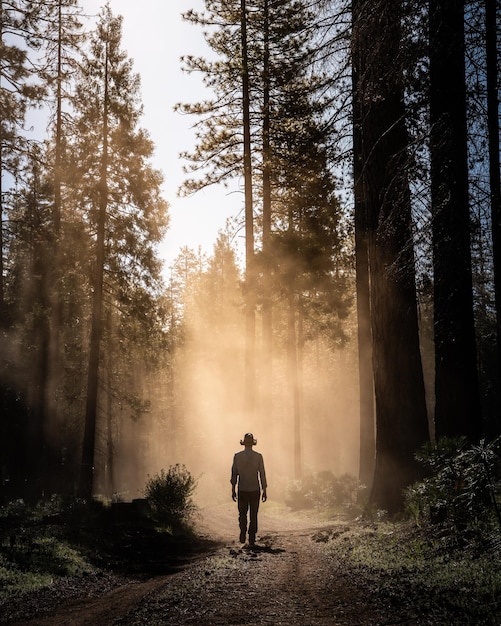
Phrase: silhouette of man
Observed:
(247, 465)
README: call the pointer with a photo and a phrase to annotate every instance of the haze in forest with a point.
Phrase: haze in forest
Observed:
(198, 412)
(212, 367)
(214, 418)
(344, 304)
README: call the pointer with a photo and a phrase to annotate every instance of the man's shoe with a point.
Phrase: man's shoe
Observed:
(242, 537)
(252, 541)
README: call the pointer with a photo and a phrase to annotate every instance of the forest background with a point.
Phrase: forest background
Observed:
(362, 321)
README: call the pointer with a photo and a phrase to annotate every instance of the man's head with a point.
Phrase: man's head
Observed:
(248, 440)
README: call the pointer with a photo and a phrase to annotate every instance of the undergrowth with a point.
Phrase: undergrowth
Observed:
(324, 490)
(440, 561)
(36, 547)
(65, 537)
(430, 579)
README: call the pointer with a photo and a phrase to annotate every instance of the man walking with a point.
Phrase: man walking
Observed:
(247, 465)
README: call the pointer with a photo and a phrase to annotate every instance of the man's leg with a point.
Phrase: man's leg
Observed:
(243, 505)
(254, 507)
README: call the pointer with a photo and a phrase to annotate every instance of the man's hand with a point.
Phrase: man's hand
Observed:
(264, 497)
(233, 495)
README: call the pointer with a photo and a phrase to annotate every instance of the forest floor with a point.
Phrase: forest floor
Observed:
(300, 574)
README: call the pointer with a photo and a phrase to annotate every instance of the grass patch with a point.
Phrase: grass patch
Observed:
(35, 549)
(30, 566)
(14, 580)
(422, 574)
(70, 538)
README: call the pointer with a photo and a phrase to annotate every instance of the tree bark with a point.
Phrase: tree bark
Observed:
(457, 403)
(365, 375)
(494, 173)
(88, 449)
(3, 311)
(250, 286)
(52, 452)
(109, 476)
(401, 422)
(266, 243)
(293, 380)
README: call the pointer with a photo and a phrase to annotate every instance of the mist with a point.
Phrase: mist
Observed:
(208, 416)
(109, 374)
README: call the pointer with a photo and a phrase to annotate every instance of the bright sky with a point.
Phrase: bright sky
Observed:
(155, 37)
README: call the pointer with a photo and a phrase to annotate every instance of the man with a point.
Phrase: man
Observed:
(247, 465)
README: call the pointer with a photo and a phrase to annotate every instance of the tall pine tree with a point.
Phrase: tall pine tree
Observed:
(121, 193)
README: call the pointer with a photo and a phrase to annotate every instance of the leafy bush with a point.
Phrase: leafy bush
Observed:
(169, 495)
(462, 486)
(324, 490)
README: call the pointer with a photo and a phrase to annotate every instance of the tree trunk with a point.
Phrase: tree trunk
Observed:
(366, 379)
(87, 468)
(88, 449)
(39, 380)
(457, 403)
(53, 445)
(4, 390)
(250, 286)
(266, 252)
(3, 312)
(109, 476)
(299, 393)
(293, 379)
(398, 378)
(3, 321)
(494, 174)
(365, 374)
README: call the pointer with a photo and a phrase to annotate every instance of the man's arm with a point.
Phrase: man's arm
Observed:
(262, 475)
(233, 479)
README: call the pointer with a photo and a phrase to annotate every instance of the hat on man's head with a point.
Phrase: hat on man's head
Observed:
(248, 440)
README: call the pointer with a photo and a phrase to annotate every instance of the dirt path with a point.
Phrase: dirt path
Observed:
(288, 579)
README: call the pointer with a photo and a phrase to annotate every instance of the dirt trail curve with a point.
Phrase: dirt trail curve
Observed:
(288, 579)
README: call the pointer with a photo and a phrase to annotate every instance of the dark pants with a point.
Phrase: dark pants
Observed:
(248, 500)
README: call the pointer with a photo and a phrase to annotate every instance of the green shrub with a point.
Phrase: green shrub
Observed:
(169, 495)
(462, 485)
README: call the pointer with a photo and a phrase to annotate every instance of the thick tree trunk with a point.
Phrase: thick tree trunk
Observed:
(4, 392)
(365, 374)
(398, 379)
(3, 312)
(494, 174)
(457, 404)
(366, 379)
(2, 290)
